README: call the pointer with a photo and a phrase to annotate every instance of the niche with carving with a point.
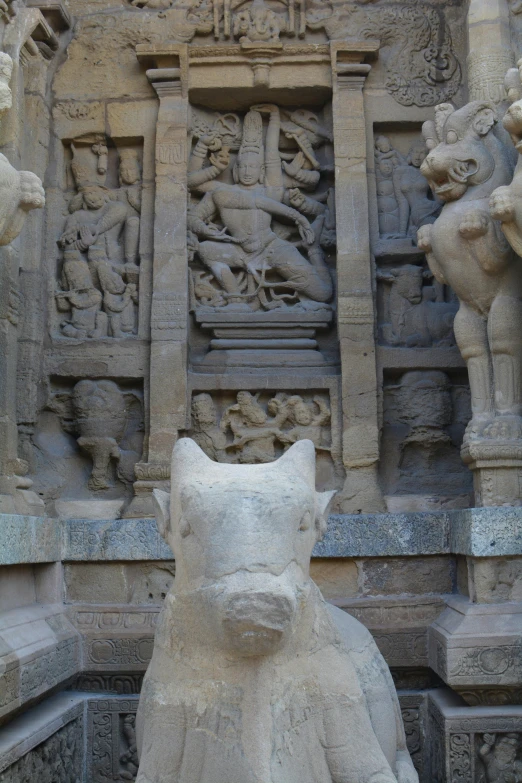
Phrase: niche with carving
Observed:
(97, 288)
(425, 415)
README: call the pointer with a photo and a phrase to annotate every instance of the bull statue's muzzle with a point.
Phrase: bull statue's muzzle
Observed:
(255, 623)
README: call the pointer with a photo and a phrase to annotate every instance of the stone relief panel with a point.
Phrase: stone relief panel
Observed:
(473, 745)
(415, 311)
(111, 740)
(405, 201)
(252, 428)
(59, 759)
(425, 414)
(261, 220)
(97, 287)
(88, 439)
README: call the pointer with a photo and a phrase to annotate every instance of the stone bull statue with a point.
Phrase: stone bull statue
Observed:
(254, 678)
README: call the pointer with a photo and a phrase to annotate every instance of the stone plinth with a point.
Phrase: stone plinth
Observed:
(463, 740)
(497, 471)
(281, 337)
(477, 645)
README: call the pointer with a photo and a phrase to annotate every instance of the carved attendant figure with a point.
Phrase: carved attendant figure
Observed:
(246, 209)
(466, 250)
(415, 208)
(254, 678)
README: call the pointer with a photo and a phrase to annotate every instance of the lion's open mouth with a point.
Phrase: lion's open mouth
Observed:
(458, 174)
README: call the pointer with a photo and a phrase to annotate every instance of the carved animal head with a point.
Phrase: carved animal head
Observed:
(467, 152)
(242, 536)
(407, 281)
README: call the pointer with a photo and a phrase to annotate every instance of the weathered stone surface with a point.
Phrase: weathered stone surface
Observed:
(474, 645)
(29, 539)
(119, 539)
(256, 618)
(472, 743)
(50, 733)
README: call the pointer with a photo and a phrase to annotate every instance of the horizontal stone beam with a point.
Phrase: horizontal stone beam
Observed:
(476, 532)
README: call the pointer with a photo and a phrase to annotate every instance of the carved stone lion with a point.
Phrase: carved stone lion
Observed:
(467, 250)
(20, 191)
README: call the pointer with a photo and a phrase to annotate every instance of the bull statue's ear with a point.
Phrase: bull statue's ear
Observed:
(161, 503)
(485, 118)
(323, 501)
(299, 460)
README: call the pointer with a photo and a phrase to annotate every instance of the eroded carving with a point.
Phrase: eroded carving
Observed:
(499, 753)
(251, 432)
(58, 759)
(251, 231)
(310, 702)
(100, 241)
(466, 250)
(424, 418)
(103, 418)
(418, 311)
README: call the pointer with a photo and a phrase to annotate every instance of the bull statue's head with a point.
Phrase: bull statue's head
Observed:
(242, 536)
(463, 150)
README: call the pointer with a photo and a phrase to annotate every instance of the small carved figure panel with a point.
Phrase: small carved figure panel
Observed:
(59, 759)
(404, 201)
(415, 311)
(500, 759)
(90, 435)
(248, 428)
(425, 413)
(262, 215)
(97, 290)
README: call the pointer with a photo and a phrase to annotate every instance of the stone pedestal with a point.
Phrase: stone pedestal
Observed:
(277, 338)
(497, 471)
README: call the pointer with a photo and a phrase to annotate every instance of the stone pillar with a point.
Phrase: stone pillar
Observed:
(489, 46)
(169, 308)
(356, 312)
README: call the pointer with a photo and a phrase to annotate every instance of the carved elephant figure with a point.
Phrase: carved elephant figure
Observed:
(20, 191)
(254, 678)
(467, 250)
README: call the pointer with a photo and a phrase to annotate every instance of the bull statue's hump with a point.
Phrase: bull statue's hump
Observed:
(254, 679)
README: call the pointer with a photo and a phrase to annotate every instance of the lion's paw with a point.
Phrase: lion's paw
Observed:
(32, 192)
(424, 238)
(501, 205)
(474, 224)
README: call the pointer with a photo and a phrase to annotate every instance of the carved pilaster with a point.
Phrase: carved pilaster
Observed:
(356, 312)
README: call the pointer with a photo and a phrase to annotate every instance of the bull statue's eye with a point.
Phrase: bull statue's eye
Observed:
(306, 521)
(184, 528)
(451, 137)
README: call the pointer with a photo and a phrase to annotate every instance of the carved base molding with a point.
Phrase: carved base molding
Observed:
(471, 744)
(477, 645)
(267, 339)
(497, 471)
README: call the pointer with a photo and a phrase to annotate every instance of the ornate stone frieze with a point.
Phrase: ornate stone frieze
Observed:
(59, 759)
(111, 740)
(257, 428)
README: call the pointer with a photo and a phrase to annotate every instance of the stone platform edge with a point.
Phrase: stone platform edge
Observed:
(477, 532)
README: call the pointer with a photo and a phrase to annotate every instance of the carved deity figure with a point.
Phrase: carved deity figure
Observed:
(130, 186)
(253, 676)
(466, 249)
(246, 240)
(205, 431)
(100, 291)
(129, 757)
(416, 209)
(254, 432)
(258, 24)
(499, 755)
